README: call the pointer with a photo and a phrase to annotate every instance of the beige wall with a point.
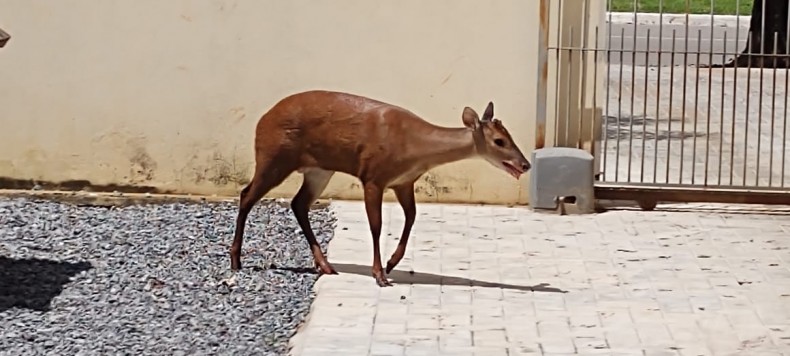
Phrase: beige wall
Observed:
(167, 93)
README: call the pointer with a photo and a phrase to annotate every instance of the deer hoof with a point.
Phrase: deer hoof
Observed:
(325, 268)
(381, 279)
(383, 282)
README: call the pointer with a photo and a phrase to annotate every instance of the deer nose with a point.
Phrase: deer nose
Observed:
(526, 166)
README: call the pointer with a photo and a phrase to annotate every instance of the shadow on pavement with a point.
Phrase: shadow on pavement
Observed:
(702, 208)
(428, 278)
(33, 283)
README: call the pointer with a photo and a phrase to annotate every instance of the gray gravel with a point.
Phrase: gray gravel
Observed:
(151, 279)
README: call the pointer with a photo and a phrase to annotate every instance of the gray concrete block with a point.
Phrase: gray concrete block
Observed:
(562, 172)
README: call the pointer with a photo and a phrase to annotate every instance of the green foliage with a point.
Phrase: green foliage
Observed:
(720, 7)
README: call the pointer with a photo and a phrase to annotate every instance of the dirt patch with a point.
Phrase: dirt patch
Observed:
(121, 199)
(75, 185)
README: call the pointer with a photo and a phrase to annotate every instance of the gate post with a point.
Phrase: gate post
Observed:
(543, 77)
(571, 75)
(564, 159)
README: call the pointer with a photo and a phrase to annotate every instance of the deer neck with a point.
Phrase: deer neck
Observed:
(446, 144)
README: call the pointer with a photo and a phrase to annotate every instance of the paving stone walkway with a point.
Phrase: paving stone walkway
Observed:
(508, 281)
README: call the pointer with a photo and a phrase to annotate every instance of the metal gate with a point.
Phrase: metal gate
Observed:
(673, 106)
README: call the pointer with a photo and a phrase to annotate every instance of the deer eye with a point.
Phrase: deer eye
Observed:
(499, 142)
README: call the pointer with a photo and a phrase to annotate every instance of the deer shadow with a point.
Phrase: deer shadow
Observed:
(404, 277)
(33, 283)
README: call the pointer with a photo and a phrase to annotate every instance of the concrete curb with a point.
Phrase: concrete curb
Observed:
(678, 19)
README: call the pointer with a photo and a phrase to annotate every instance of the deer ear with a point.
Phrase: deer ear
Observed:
(489, 113)
(470, 118)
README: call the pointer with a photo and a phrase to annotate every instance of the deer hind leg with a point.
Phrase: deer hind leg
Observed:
(268, 174)
(405, 195)
(315, 181)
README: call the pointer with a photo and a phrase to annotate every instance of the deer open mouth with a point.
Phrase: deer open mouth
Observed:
(512, 169)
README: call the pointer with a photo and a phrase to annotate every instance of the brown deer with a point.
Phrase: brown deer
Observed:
(318, 133)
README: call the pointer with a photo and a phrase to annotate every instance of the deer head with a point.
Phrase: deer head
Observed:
(494, 143)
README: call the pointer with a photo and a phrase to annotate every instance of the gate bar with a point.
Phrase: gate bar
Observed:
(543, 75)
(649, 193)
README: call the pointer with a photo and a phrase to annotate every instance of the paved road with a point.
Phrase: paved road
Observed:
(679, 125)
(700, 39)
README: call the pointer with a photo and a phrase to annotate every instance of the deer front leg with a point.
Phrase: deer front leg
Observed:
(405, 195)
(373, 198)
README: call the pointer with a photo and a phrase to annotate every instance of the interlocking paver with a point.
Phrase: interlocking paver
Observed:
(507, 281)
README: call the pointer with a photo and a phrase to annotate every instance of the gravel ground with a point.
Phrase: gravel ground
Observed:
(151, 279)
